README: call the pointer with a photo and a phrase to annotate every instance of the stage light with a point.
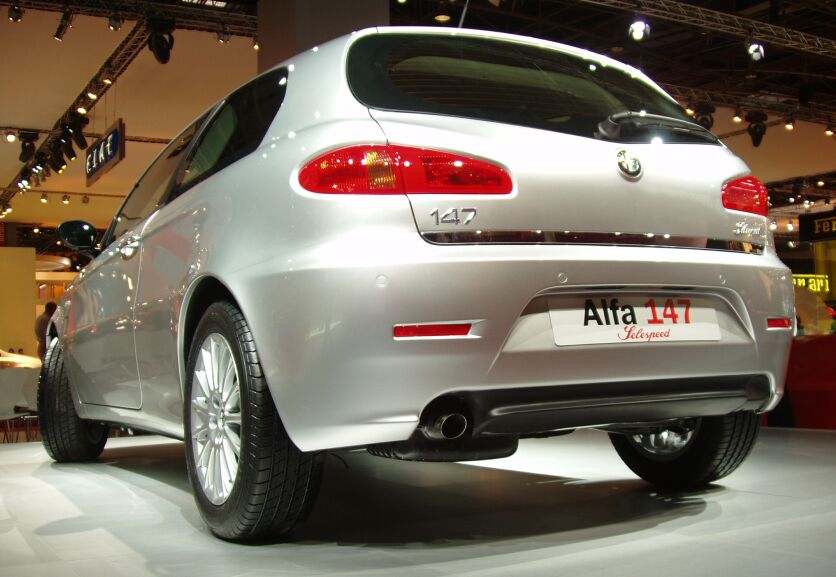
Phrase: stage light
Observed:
(115, 22)
(27, 145)
(789, 124)
(442, 18)
(10, 136)
(827, 131)
(256, 47)
(76, 127)
(738, 117)
(704, 114)
(161, 40)
(15, 13)
(66, 22)
(639, 30)
(755, 50)
(85, 199)
(223, 35)
(66, 143)
(44, 198)
(757, 126)
(65, 199)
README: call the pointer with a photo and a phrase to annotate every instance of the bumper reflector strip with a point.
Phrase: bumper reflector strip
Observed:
(778, 323)
(432, 330)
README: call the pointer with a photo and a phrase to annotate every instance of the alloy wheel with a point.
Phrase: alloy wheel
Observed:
(216, 418)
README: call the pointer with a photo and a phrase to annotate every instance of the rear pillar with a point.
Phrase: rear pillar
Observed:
(287, 27)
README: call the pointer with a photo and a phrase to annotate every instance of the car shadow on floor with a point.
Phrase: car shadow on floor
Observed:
(366, 500)
(377, 501)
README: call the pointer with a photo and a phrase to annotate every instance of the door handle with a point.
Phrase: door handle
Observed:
(129, 247)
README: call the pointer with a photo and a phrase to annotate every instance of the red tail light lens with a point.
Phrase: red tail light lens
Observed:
(747, 194)
(377, 169)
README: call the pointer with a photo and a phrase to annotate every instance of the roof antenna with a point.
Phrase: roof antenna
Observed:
(464, 13)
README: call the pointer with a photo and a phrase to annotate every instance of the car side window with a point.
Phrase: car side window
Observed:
(237, 129)
(149, 192)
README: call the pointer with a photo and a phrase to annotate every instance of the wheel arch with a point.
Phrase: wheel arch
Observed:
(200, 295)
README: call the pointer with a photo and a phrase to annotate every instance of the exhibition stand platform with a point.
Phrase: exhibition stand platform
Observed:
(561, 506)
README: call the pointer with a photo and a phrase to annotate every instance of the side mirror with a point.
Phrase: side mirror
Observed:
(78, 235)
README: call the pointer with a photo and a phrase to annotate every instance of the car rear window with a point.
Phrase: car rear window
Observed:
(496, 80)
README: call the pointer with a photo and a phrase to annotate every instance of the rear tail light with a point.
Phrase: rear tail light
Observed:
(378, 169)
(747, 194)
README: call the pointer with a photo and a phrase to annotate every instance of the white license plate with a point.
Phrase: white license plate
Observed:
(640, 319)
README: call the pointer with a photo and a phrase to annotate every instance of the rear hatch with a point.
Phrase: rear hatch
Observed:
(557, 121)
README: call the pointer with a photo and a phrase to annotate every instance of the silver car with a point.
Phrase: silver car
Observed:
(430, 244)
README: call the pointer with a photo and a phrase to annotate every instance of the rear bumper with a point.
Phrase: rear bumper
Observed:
(340, 379)
(531, 410)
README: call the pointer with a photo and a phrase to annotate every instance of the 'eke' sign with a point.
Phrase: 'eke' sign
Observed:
(105, 152)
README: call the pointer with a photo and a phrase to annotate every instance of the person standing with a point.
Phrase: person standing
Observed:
(41, 324)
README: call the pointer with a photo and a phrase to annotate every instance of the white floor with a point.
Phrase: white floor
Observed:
(563, 506)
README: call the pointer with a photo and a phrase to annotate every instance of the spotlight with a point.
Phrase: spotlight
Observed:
(15, 13)
(161, 40)
(789, 124)
(639, 30)
(115, 22)
(223, 35)
(65, 199)
(44, 198)
(704, 114)
(442, 18)
(689, 108)
(85, 199)
(56, 158)
(66, 143)
(76, 127)
(81, 110)
(820, 183)
(256, 47)
(773, 225)
(738, 117)
(40, 163)
(755, 50)
(10, 136)
(27, 145)
(66, 22)
(92, 95)
(827, 132)
(757, 126)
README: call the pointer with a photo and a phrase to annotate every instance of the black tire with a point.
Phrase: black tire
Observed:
(275, 485)
(66, 437)
(718, 446)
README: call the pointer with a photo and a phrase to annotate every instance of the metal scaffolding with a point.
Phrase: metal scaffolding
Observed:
(725, 23)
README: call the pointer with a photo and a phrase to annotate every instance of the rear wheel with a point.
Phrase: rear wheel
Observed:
(692, 455)
(66, 437)
(250, 481)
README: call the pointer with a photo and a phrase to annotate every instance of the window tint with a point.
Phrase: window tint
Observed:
(496, 80)
(149, 192)
(237, 129)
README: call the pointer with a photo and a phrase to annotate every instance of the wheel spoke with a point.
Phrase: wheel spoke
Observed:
(234, 439)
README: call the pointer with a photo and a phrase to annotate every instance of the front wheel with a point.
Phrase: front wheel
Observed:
(691, 455)
(250, 481)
